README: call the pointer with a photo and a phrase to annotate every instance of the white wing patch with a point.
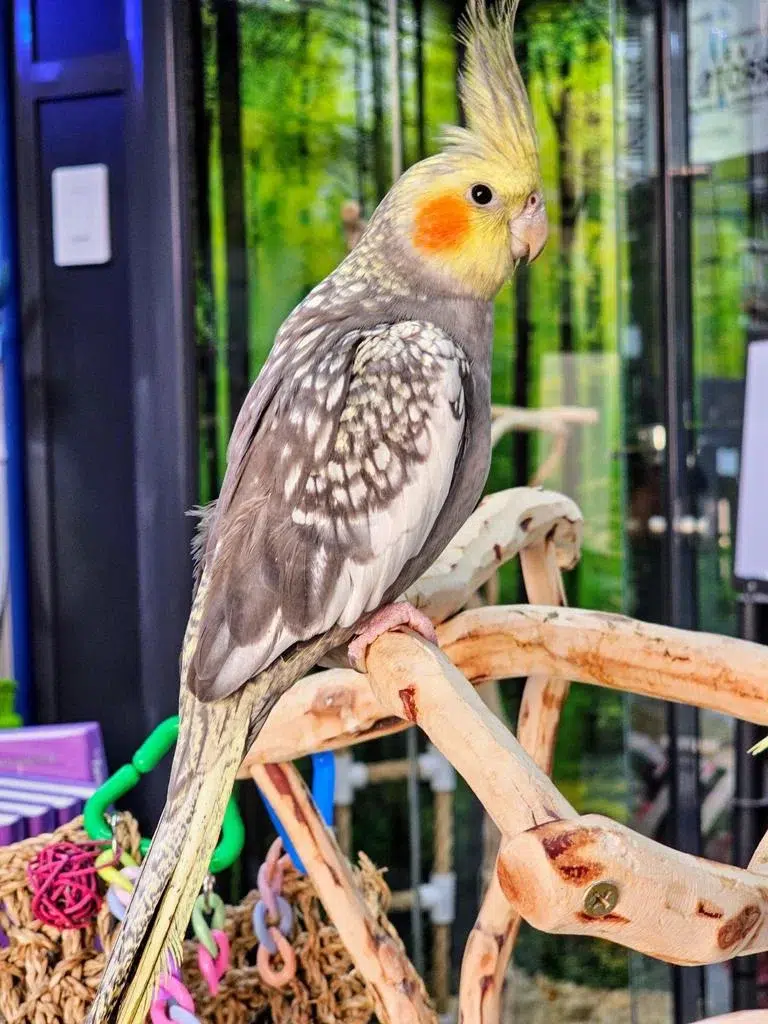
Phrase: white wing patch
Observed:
(399, 436)
(240, 659)
(399, 530)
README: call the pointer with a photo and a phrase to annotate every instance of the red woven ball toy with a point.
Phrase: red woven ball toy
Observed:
(64, 885)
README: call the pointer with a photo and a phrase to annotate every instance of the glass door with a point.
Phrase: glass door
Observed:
(692, 115)
(727, 50)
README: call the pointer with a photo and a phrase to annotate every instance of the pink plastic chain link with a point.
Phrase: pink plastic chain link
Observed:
(273, 940)
(214, 970)
(172, 991)
(271, 975)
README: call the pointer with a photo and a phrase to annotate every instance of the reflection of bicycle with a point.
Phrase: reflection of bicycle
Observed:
(649, 767)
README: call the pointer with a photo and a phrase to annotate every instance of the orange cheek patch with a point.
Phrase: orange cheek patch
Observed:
(441, 223)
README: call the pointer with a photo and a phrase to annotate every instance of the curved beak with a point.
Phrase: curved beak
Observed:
(528, 232)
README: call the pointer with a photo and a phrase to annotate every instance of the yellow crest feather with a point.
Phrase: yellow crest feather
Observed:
(493, 94)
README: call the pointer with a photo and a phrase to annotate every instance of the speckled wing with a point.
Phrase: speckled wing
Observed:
(333, 485)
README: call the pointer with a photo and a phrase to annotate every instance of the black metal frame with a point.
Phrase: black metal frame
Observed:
(680, 562)
(36, 82)
(148, 72)
(164, 381)
(750, 817)
(17, 598)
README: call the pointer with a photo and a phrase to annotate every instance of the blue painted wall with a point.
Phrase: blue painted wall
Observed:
(10, 341)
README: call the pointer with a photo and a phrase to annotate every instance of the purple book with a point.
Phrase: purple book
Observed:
(38, 818)
(82, 790)
(11, 828)
(62, 753)
(65, 805)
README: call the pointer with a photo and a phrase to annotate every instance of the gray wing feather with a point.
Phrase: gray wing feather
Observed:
(339, 475)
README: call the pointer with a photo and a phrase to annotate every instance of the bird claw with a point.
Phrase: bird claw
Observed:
(390, 617)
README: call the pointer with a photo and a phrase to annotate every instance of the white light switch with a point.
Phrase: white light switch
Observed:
(81, 235)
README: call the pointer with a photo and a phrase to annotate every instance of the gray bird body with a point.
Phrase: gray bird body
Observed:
(344, 434)
(356, 457)
(360, 450)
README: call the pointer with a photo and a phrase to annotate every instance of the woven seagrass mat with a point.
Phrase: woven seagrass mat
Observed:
(48, 976)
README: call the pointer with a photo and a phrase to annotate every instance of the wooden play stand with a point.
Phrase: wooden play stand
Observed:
(560, 871)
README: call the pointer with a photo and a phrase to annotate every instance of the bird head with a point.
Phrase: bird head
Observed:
(469, 215)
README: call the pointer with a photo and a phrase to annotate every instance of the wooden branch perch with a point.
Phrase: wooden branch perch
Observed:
(668, 902)
(394, 985)
(702, 669)
(759, 860)
(662, 903)
(415, 680)
(555, 456)
(672, 906)
(493, 936)
(486, 957)
(741, 1017)
(503, 525)
(555, 420)
(544, 695)
(336, 708)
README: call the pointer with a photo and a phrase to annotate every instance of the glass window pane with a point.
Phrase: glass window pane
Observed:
(294, 148)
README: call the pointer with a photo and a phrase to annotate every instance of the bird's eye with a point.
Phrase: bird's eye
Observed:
(533, 201)
(481, 194)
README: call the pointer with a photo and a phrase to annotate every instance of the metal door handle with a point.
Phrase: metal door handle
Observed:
(685, 526)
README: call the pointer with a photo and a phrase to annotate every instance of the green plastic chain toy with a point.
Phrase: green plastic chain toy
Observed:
(150, 753)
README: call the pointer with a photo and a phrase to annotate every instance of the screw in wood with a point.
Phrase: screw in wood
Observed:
(600, 899)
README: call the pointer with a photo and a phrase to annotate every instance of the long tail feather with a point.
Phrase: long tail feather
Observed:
(212, 742)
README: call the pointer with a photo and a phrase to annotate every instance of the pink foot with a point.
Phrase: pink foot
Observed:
(389, 617)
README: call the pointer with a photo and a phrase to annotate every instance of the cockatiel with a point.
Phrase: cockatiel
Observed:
(360, 450)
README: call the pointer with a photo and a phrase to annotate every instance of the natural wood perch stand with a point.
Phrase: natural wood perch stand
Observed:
(561, 872)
